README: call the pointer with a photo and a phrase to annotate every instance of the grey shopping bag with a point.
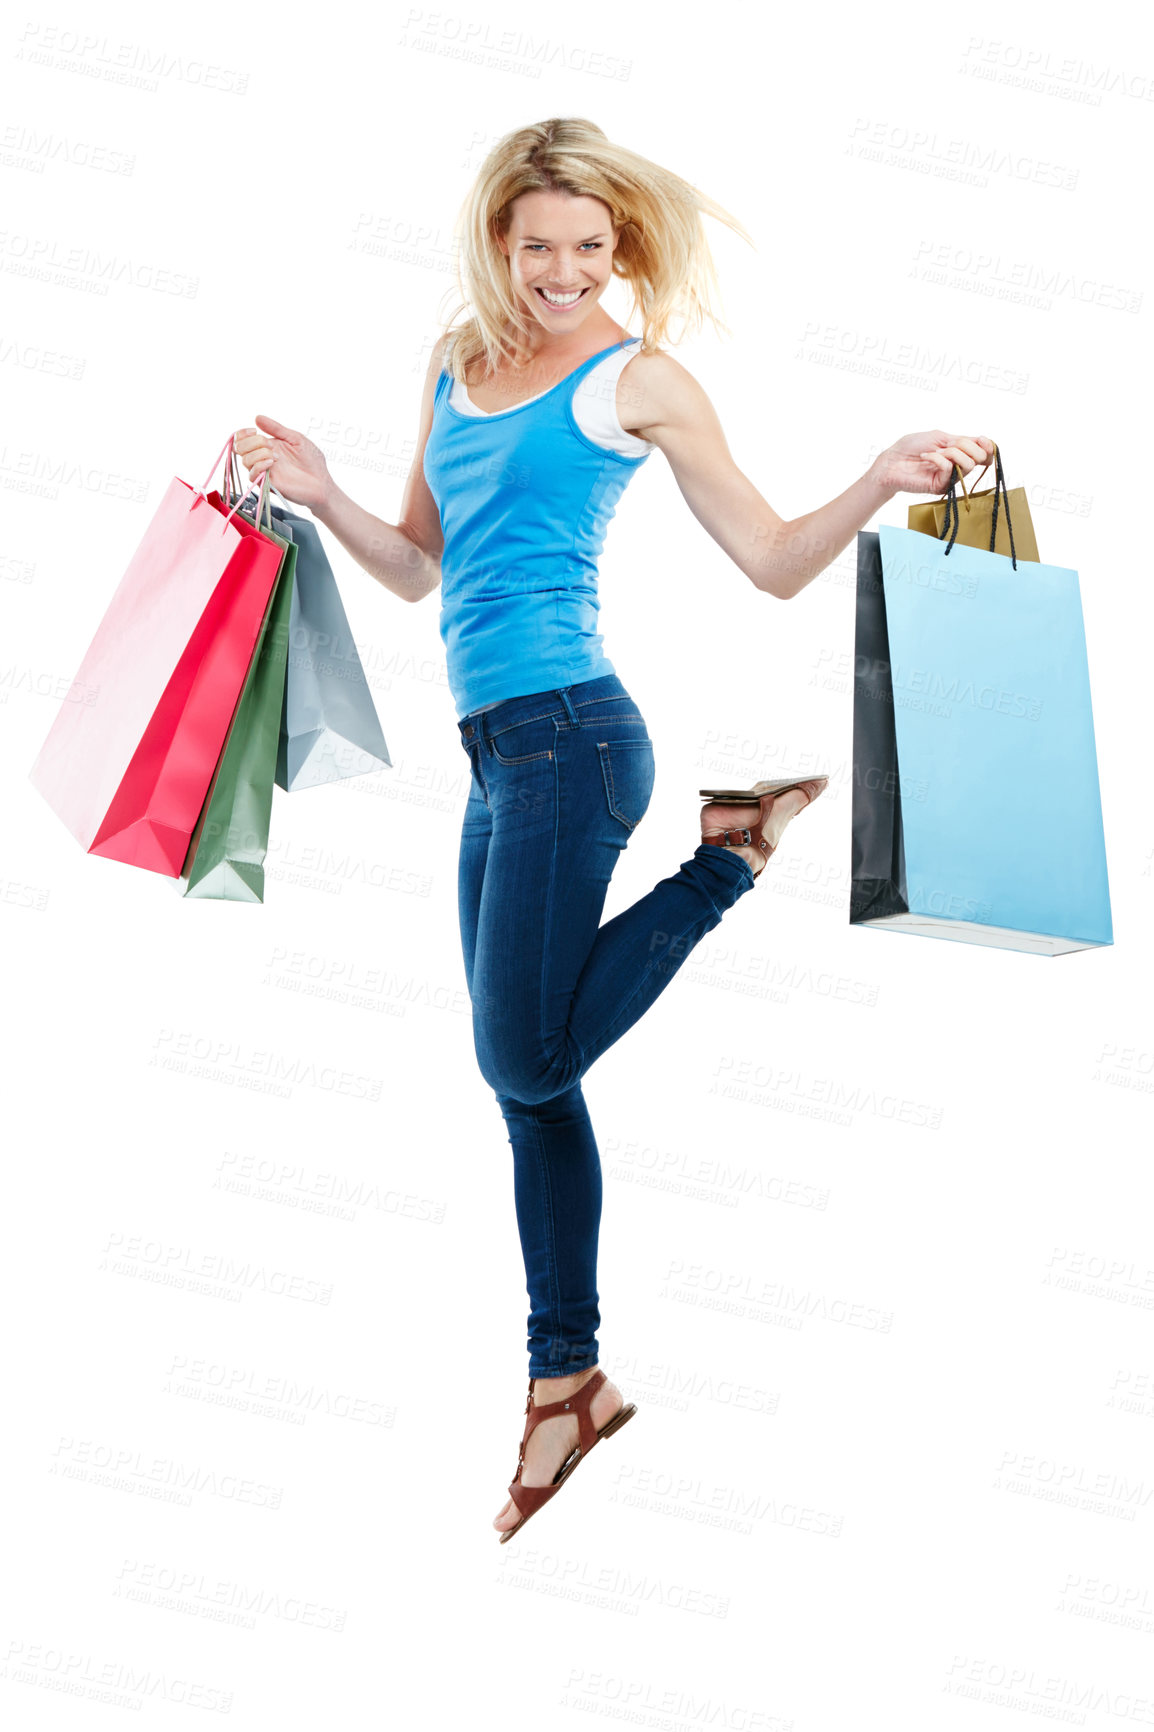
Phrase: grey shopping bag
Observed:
(329, 728)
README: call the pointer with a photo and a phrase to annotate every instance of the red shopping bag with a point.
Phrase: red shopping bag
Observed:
(128, 772)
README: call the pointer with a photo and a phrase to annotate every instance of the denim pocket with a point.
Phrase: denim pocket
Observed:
(628, 769)
(521, 742)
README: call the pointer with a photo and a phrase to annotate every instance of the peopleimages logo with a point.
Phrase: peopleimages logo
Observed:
(948, 906)
(878, 780)
(916, 145)
(134, 64)
(911, 681)
(221, 1060)
(928, 682)
(1026, 65)
(936, 574)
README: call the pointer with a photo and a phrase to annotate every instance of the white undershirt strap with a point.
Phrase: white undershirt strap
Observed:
(594, 404)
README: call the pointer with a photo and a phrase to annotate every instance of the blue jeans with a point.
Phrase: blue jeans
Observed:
(560, 780)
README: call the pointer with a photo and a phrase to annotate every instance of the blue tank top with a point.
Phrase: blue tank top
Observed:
(524, 500)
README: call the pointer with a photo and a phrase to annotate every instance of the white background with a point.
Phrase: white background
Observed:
(264, 1341)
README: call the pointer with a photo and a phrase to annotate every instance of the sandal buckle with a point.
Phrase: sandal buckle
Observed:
(746, 838)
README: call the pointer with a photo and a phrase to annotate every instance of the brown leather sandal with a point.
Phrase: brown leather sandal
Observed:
(530, 1498)
(762, 795)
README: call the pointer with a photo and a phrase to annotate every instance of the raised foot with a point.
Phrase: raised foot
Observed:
(718, 815)
(553, 1441)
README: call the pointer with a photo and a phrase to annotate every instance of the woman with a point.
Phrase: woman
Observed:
(535, 414)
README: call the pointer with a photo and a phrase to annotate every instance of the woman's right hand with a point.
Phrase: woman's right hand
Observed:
(297, 467)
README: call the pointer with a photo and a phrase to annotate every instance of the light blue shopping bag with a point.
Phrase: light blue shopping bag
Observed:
(977, 813)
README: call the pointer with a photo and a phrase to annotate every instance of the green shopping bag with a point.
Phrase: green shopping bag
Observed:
(225, 859)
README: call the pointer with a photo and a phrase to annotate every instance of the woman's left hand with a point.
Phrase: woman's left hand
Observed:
(922, 462)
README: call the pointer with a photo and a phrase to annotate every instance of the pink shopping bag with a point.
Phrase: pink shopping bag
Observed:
(128, 772)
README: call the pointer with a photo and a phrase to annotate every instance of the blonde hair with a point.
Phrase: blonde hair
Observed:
(662, 253)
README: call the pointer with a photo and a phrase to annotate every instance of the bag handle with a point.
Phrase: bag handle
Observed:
(951, 502)
(198, 492)
(232, 481)
(230, 462)
(263, 503)
(231, 485)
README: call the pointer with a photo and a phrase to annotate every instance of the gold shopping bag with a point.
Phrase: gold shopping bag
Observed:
(979, 522)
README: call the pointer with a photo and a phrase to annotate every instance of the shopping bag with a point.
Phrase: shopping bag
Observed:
(979, 523)
(330, 728)
(227, 852)
(128, 770)
(976, 807)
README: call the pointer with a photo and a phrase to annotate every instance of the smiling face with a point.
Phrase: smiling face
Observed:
(560, 251)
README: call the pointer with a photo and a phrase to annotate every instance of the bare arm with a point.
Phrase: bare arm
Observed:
(405, 557)
(778, 556)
